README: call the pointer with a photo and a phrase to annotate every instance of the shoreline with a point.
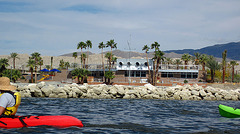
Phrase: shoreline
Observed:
(148, 91)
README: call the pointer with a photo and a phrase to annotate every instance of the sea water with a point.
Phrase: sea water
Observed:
(108, 116)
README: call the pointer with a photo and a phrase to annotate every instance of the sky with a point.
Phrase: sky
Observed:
(55, 27)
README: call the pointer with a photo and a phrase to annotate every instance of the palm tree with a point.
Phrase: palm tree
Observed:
(197, 58)
(36, 57)
(178, 62)
(12, 74)
(233, 64)
(114, 59)
(213, 65)
(81, 74)
(169, 61)
(158, 56)
(67, 65)
(89, 45)
(75, 56)
(31, 65)
(112, 45)
(48, 67)
(224, 56)
(62, 64)
(101, 46)
(40, 63)
(3, 65)
(186, 58)
(146, 48)
(109, 75)
(81, 45)
(83, 60)
(203, 60)
(14, 56)
(108, 56)
(155, 46)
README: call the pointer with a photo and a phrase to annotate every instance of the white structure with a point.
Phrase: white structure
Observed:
(133, 64)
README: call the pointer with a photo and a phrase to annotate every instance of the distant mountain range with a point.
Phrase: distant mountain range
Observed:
(233, 50)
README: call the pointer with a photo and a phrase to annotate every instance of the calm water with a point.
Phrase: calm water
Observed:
(131, 116)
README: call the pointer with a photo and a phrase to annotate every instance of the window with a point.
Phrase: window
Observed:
(135, 74)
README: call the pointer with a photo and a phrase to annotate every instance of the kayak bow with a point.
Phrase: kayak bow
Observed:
(61, 121)
(229, 112)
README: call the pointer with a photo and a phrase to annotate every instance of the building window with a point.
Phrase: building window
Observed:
(183, 75)
(143, 74)
(195, 75)
(135, 74)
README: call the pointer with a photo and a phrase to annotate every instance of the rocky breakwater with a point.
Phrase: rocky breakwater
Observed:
(147, 91)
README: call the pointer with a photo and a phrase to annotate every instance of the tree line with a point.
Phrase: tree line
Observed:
(213, 66)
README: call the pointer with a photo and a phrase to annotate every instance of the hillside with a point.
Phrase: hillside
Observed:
(232, 48)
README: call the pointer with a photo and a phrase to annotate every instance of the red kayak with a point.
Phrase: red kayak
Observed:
(61, 121)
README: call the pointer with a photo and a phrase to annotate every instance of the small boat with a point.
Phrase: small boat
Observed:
(60, 121)
(229, 112)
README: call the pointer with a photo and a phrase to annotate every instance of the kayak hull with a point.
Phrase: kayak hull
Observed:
(229, 112)
(61, 121)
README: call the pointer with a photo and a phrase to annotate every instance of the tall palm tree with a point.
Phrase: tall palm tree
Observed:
(31, 65)
(186, 58)
(178, 62)
(203, 60)
(112, 45)
(233, 64)
(158, 56)
(81, 45)
(146, 48)
(155, 46)
(108, 56)
(14, 56)
(89, 45)
(3, 65)
(36, 57)
(83, 59)
(197, 58)
(101, 46)
(75, 56)
(213, 65)
(224, 57)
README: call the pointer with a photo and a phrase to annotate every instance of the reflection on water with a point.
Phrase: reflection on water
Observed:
(130, 116)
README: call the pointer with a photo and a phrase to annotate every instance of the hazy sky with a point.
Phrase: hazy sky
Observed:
(55, 27)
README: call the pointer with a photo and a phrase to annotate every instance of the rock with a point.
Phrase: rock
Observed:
(112, 91)
(83, 88)
(194, 92)
(202, 93)
(41, 85)
(150, 87)
(46, 91)
(53, 95)
(96, 90)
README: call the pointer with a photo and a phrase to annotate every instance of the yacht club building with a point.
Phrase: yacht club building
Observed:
(136, 71)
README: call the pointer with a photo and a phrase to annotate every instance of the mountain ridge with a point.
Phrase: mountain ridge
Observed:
(233, 49)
